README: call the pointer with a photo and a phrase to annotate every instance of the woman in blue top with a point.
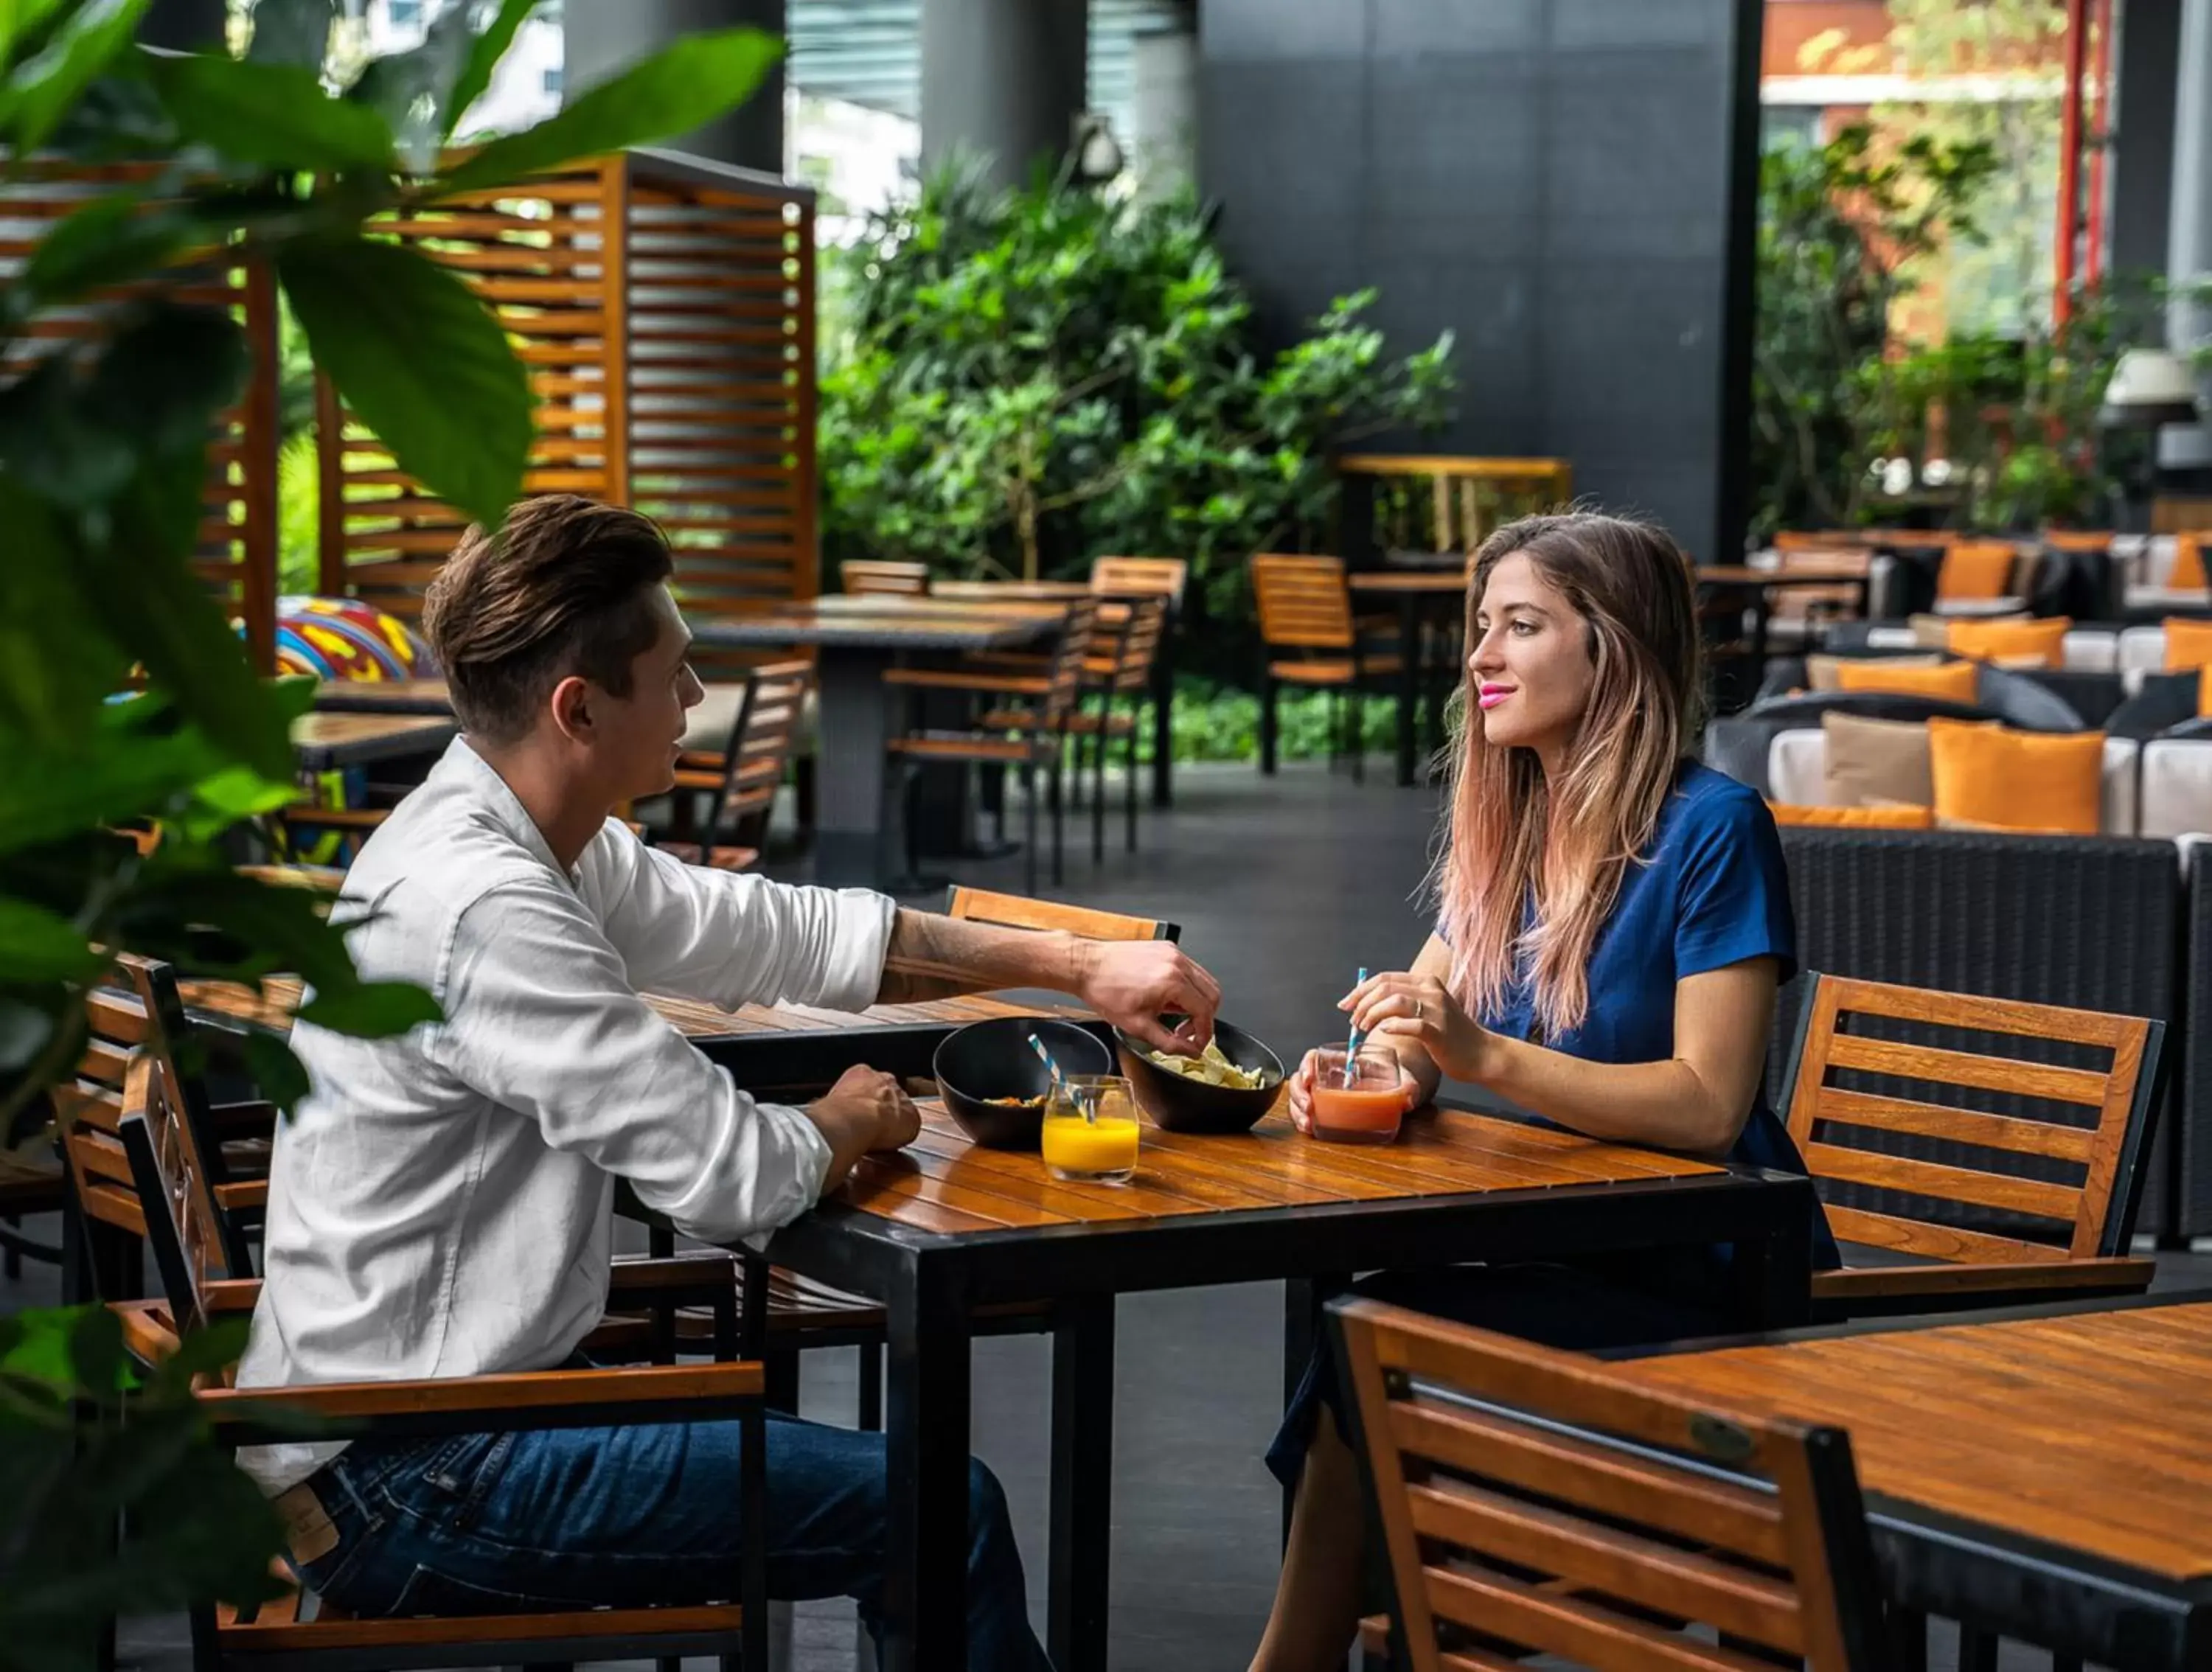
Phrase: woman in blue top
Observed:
(1612, 923)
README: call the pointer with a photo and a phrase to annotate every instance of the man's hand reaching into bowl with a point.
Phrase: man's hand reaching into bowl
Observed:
(1133, 983)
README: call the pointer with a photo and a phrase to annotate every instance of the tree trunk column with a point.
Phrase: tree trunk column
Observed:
(2190, 238)
(1002, 80)
(601, 38)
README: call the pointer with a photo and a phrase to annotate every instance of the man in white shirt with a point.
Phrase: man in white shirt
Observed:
(442, 1204)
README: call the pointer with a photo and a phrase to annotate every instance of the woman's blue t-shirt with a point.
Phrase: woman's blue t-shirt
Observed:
(1712, 889)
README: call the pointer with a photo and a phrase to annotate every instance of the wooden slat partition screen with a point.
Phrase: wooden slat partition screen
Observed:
(236, 554)
(664, 307)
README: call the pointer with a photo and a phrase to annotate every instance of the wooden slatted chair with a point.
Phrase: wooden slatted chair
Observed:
(1534, 1502)
(1126, 577)
(1308, 639)
(885, 578)
(1053, 696)
(752, 770)
(305, 1635)
(2036, 1202)
(1015, 911)
(107, 1229)
(1120, 667)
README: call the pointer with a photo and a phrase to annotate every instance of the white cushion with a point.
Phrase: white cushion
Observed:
(1893, 638)
(2145, 600)
(2090, 650)
(2152, 565)
(2117, 813)
(1797, 768)
(2131, 680)
(1974, 608)
(2176, 786)
(2143, 649)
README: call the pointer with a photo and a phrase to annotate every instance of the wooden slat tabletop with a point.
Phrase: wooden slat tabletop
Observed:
(1742, 574)
(1449, 583)
(891, 624)
(321, 739)
(384, 697)
(273, 1005)
(947, 1185)
(2090, 1431)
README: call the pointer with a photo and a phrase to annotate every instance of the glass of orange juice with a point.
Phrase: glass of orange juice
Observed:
(1098, 1150)
(1363, 1108)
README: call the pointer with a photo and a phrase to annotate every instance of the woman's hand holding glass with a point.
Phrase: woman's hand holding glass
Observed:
(1302, 1088)
(1420, 1010)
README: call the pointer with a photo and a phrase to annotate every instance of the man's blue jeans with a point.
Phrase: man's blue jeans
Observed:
(633, 1515)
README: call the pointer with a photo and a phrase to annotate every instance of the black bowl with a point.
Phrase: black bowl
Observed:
(993, 1059)
(1181, 1104)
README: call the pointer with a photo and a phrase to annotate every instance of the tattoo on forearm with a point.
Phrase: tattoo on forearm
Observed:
(932, 957)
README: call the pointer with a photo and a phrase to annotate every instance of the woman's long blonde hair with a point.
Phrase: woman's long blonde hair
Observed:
(1527, 869)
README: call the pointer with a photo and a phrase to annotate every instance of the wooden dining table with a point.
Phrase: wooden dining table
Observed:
(322, 741)
(1761, 584)
(2044, 1473)
(946, 1226)
(774, 1045)
(384, 697)
(859, 836)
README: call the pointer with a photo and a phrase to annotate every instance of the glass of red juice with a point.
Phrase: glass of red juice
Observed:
(1366, 1107)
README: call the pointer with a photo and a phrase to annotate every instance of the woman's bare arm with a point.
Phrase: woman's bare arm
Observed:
(1697, 1100)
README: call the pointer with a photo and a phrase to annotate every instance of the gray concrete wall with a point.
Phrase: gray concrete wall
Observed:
(1559, 182)
(1002, 80)
(2149, 42)
(601, 38)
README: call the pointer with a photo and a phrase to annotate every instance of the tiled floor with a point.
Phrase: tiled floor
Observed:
(1283, 891)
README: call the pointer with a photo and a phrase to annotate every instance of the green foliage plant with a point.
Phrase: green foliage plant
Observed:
(279, 157)
(1026, 380)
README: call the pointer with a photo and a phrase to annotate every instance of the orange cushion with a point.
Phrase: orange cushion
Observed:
(2188, 561)
(2009, 641)
(2188, 643)
(1952, 681)
(2017, 781)
(1975, 568)
(2205, 691)
(1893, 817)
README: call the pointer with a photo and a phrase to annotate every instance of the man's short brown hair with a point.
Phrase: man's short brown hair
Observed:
(564, 587)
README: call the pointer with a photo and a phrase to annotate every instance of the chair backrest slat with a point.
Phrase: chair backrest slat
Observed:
(1019, 911)
(1122, 576)
(2066, 1150)
(1303, 601)
(1536, 1501)
(1068, 656)
(887, 578)
(761, 741)
(1141, 636)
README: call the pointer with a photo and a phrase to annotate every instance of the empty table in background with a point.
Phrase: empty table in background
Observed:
(860, 829)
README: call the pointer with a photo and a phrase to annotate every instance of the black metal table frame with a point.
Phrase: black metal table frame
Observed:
(1998, 1581)
(1416, 688)
(930, 1283)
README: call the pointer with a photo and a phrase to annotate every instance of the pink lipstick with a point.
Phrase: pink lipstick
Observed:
(1489, 696)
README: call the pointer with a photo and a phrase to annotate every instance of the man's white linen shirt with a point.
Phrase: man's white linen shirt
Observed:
(442, 1205)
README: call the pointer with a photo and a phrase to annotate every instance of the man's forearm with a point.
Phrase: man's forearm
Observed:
(934, 956)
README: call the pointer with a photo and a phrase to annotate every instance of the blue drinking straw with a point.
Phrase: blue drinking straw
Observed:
(1353, 1041)
(1060, 1080)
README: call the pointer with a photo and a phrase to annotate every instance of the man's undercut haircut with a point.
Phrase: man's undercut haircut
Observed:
(564, 587)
